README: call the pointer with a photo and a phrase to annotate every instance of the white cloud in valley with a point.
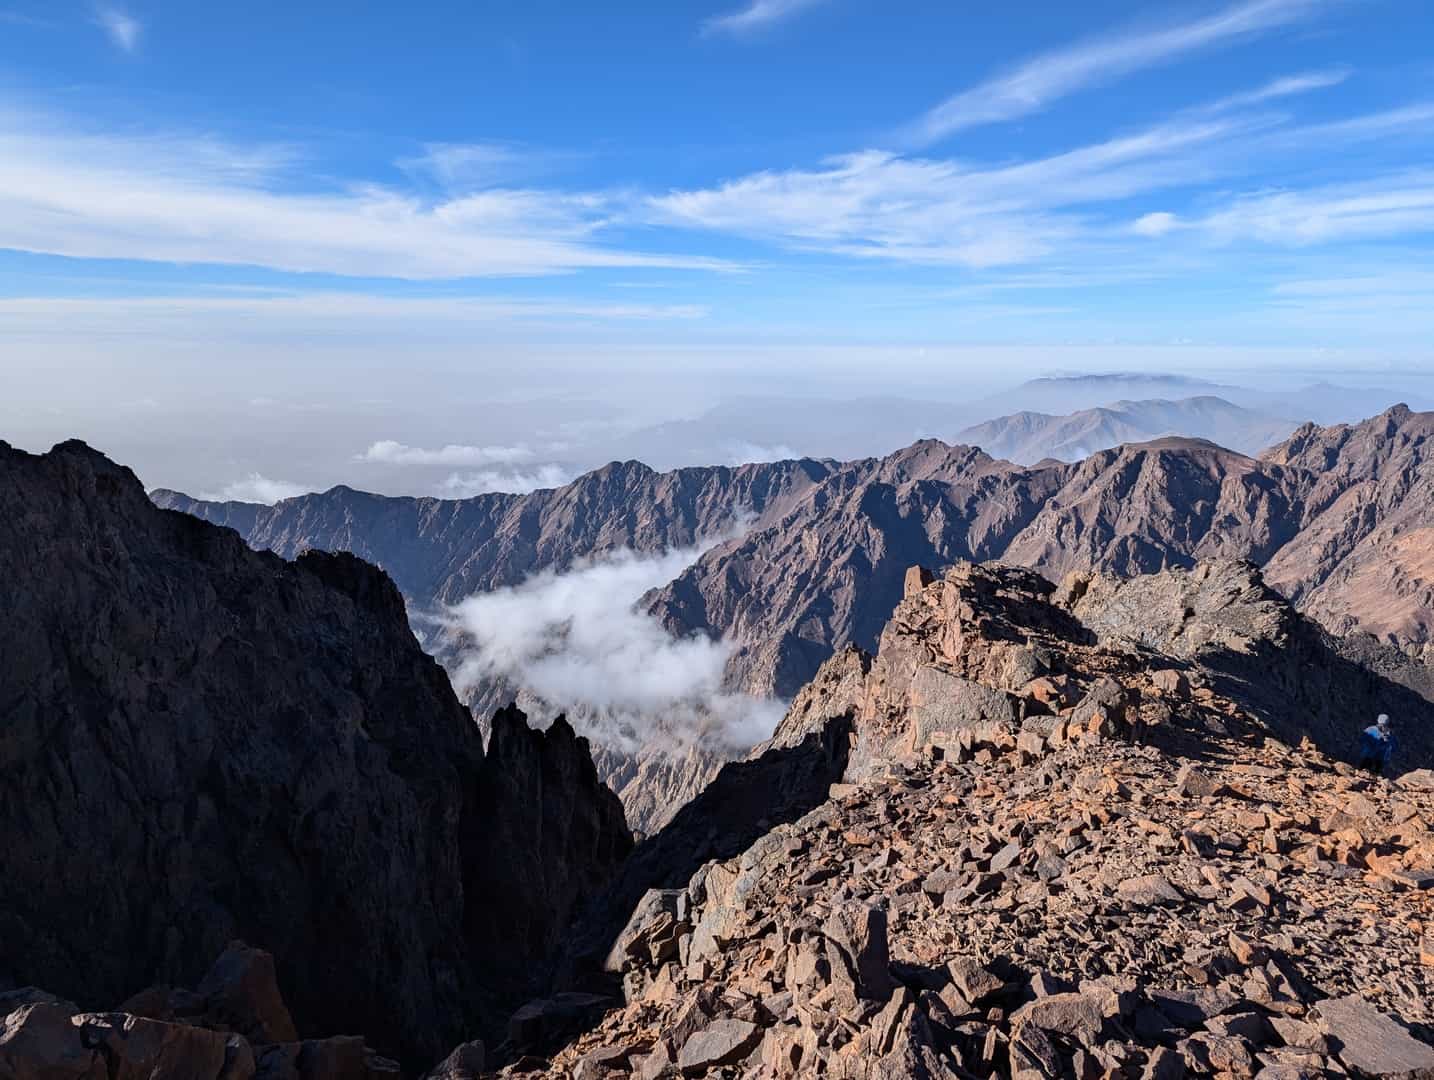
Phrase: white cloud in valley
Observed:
(577, 641)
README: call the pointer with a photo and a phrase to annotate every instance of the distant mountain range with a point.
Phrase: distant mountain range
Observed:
(1317, 402)
(1031, 437)
(757, 427)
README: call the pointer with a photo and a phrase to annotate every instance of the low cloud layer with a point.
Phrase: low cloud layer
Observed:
(512, 481)
(740, 452)
(389, 452)
(577, 641)
(257, 488)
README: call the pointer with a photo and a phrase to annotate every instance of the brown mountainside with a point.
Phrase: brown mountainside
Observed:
(1342, 516)
(440, 551)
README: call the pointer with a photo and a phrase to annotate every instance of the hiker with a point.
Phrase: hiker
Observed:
(1376, 746)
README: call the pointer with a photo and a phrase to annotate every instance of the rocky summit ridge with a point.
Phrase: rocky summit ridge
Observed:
(1075, 835)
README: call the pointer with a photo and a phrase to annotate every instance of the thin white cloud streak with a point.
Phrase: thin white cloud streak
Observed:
(337, 314)
(1286, 86)
(1035, 84)
(122, 28)
(577, 641)
(510, 481)
(474, 166)
(257, 488)
(391, 452)
(197, 200)
(757, 15)
(1399, 205)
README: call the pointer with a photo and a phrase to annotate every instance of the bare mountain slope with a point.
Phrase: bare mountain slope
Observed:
(1330, 511)
(1363, 558)
(440, 551)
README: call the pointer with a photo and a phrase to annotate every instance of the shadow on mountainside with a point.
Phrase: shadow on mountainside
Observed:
(745, 801)
(1310, 689)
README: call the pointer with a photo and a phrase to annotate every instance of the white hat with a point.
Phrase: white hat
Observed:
(1383, 720)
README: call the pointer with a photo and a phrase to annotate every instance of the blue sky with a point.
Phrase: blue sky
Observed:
(1257, 173)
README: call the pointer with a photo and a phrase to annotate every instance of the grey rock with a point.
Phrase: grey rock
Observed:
(722, 1042)
(1370, 1043)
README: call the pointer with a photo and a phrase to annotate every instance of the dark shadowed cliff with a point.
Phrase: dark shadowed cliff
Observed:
(201, 742)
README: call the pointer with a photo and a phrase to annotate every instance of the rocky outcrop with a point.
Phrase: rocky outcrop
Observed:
(992, 650)
(538, 867)
(1139, 868)
(204, 742)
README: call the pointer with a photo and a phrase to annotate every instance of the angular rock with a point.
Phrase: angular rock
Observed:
(241, 992)
(722, 1042)
(466, 1062)
(38, 1042)
(1370, 1043)
(1148, 890)
(859, 931)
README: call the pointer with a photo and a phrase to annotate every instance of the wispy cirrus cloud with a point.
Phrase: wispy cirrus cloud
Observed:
(1283, 87)
(196, 199)
(475, 166)
(1398, 205)
(876, 204)
(122, 28)
(1036, 83)
(757, 15)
